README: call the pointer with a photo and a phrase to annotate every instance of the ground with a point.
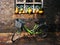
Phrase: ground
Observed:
(51, 39)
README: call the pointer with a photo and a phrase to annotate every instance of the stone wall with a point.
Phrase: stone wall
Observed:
(6, 12)
(6, 9)
(51, 8)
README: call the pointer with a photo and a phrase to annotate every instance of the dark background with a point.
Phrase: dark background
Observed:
(52, 12)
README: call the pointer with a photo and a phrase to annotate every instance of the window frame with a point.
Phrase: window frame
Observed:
(24, 3)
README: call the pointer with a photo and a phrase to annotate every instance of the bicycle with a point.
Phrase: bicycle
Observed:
(38, 29)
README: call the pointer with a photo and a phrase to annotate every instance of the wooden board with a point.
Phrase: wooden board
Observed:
(27, 16)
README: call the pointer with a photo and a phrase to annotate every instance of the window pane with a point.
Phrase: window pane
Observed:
(20, 0)
(20, 5)
(29, 0)
(37, 0)
(37, 6)
(29, 6)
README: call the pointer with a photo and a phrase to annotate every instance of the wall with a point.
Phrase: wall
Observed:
(52, 12)
(6, 12)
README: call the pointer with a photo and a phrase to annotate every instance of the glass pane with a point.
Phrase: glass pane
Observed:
(37, 6)
(20, 5)
(20, 0)
(29, 6)
(37, 0)
(29, 0)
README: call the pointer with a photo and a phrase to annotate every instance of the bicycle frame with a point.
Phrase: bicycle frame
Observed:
(33, 31)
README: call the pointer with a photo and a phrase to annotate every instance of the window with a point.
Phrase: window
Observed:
(26, 4)
(37, 0)
(29, 0)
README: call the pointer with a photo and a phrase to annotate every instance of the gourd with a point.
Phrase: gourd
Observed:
(17, 10)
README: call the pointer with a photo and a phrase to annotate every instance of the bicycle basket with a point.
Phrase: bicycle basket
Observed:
(18, 23)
